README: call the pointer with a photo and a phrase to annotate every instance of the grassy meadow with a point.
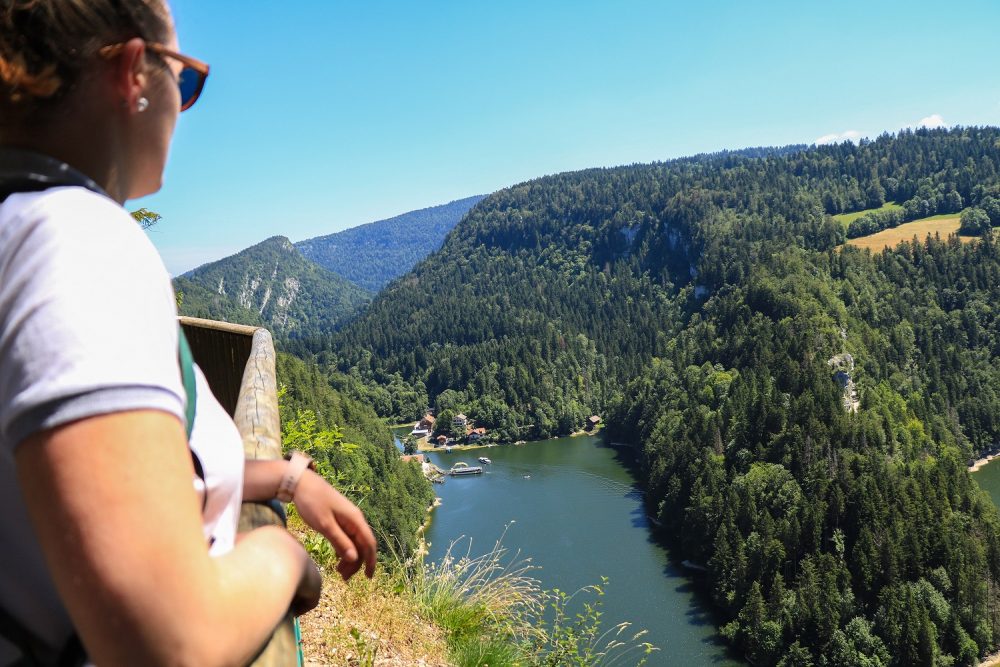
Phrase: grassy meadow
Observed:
(943, 225)
(846, 219)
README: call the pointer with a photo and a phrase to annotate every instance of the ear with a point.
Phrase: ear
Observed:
(128, 72)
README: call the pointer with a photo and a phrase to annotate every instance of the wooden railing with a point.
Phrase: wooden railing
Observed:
(238, 362)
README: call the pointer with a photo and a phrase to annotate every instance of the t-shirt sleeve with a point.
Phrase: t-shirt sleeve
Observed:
(87, 315)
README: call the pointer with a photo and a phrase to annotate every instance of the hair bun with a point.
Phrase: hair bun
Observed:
(21, 83)
(46, 45)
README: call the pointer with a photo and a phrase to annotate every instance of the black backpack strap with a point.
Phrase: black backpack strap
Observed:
(18, 635)
(73, 653)
(27, 171)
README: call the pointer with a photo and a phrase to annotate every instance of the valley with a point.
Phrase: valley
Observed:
(696, 304)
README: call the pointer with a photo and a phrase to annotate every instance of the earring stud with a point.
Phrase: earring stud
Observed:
(141, 104)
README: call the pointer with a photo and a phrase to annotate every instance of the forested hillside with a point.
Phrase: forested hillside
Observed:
(271, 284)
(353, 448)
(371, 255)
(553, 291)
(829, 535)
(698, 304)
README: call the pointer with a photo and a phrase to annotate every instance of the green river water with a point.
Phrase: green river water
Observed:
(572, 506)
(989, 479)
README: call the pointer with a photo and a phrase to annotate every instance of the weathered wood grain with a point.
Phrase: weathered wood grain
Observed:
(239, 363)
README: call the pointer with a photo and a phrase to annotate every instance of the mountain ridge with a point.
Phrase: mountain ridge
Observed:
(372, 254)
(271, 284)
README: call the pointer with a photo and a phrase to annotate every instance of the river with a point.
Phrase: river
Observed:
(573, 507)
(988, 478)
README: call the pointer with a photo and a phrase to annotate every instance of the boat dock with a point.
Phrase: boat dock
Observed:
(462, 468)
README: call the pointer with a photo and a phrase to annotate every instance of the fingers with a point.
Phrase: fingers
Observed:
(348, 568)
(353, 523)
(353, 541)
(363, 538)
(342, 544)
(339, 521)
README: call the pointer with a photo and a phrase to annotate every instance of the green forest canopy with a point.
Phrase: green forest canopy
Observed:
(697, 304)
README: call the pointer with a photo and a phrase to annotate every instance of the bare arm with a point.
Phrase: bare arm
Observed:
(322, 507)
(261, 479)
(112, 503)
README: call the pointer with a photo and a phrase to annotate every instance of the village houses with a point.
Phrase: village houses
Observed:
(424, 427)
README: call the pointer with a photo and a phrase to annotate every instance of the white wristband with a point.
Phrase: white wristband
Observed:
(293, 473)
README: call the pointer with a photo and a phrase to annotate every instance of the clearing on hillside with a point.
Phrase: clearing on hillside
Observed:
(943, 225)
(846, 219)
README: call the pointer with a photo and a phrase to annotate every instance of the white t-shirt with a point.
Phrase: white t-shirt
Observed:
(88, 327)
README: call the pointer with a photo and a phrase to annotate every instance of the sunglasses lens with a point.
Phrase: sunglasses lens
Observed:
(188, 82)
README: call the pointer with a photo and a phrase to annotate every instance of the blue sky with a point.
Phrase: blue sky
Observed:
(321, 115)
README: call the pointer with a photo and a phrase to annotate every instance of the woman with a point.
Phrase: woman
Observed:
(107, 533)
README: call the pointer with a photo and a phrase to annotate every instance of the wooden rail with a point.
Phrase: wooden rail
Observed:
(238, 362)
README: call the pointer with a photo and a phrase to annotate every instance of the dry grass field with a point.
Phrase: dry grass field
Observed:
(943, 225)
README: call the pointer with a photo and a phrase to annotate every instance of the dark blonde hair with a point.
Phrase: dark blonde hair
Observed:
(47, 45)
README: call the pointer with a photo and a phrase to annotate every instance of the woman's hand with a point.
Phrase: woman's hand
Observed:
(338, 520)
(323, 508)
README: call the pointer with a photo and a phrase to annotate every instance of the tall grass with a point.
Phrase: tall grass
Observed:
(578, 640)
(478, 596)
(495, 612)
(490, 608)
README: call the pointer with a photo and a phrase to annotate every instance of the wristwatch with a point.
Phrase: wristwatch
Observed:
(297, 464)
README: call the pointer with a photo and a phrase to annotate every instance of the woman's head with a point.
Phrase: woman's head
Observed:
(64, 92)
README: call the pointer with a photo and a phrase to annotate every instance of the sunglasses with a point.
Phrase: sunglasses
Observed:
(191, 80)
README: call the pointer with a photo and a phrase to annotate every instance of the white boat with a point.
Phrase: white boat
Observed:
(462, 468)
(483, 459)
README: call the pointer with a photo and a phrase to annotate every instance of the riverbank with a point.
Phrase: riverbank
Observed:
(992, 660)
(981, 462)
(461, 610)
(421, 550)
(424, 444)
(397, 427)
